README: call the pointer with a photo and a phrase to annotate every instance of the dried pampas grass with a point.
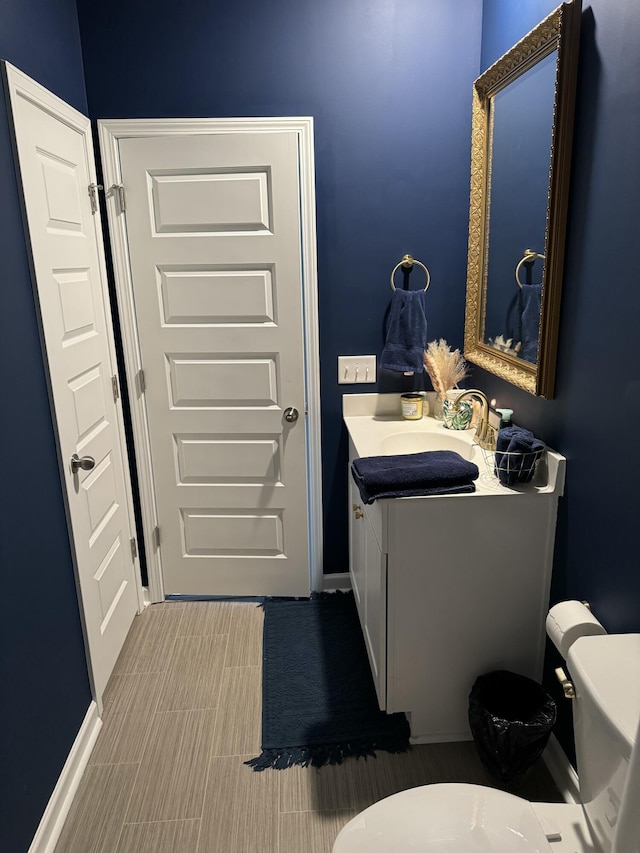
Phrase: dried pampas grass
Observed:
(445, 367)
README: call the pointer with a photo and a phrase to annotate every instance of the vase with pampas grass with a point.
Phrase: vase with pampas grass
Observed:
(446, 368)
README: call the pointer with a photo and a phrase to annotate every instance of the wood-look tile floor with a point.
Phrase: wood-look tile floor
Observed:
(182, 713)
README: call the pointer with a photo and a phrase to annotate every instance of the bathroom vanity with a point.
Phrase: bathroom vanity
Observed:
(447, 587)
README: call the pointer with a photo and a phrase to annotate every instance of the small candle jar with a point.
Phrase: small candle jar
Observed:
(411, 406)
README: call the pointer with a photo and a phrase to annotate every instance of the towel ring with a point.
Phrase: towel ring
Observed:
(407, 262)
(529, 257)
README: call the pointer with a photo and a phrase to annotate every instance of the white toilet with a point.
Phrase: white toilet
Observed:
(458, 818)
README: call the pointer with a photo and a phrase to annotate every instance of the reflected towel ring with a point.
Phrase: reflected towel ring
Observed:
(529, 257)
(407, 262)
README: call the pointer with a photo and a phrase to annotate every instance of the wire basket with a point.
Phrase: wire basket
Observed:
(512, 468)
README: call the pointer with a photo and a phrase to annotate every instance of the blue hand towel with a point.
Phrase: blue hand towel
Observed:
(523, 320)
(530, 296)
(407, 332)
(516, 469)
(435, 472)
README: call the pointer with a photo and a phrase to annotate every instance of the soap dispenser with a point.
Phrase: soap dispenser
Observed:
(505, 417)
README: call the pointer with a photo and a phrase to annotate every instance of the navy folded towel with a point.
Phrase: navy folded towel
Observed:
(516, 469)
(435, 472)
(406, 333)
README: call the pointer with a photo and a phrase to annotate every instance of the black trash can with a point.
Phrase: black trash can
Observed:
(511, 717)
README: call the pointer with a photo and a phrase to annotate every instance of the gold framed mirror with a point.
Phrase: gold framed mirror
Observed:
(522, 125)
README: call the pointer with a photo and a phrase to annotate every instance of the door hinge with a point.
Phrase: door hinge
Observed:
(142, 384)
(117, 190)
(93, 196)
(156, 537)
(134, 549)
(115, 388)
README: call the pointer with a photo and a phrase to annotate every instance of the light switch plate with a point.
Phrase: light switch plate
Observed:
(356, 369)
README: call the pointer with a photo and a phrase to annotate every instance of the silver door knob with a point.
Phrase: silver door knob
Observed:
(291, 415)
(86, 463)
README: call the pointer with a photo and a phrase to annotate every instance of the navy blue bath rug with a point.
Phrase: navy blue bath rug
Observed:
(319, 702)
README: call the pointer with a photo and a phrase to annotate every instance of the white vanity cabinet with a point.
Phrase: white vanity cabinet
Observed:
(450, 587)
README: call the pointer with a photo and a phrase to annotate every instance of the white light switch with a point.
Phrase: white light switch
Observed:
(355, 369)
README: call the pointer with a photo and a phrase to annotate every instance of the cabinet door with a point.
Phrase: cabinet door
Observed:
(356, 549)
(375, 627)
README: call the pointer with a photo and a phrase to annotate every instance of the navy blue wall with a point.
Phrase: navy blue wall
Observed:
(45, 688)
(598, 375)
(389, 84)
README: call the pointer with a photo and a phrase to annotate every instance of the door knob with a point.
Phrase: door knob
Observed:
(291, 415)
(86, 463)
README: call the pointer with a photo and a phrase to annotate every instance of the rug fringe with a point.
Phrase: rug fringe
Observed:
(322, 754)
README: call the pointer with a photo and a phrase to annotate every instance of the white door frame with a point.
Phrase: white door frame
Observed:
(18, 84)
(110, 132)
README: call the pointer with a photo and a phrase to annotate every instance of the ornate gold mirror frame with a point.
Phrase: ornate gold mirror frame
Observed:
(559, 31)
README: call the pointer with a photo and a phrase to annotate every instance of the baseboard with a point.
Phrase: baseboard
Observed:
(48, 832)
(447, 737)
(562, 771)
(337, 580)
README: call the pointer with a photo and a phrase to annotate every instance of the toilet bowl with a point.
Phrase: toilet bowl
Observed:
(443, 819)
(462, 818)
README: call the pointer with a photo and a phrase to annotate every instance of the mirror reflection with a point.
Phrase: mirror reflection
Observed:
(521, 128)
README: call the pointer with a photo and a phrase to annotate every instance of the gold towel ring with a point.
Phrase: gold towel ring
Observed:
(529, 257)
(407, 262)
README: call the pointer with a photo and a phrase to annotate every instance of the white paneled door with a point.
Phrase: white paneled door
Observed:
(56, 166)
(214, 246)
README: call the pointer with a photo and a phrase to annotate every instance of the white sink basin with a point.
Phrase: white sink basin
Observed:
(418, 442)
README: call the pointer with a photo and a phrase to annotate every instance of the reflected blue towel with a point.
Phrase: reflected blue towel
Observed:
(523, 320)
(435, 472)
(530, 296)
(516, 439)
(514, 319)
(407, 332)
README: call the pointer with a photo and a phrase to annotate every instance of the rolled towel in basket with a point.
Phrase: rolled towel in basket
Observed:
(434, 472)
(525, 447)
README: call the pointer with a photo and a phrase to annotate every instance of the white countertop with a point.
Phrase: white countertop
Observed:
(377, 428)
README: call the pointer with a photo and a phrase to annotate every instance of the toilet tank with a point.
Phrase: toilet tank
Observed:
(606, 712)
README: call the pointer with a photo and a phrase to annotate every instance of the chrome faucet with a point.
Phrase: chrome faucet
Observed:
(485, 433)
